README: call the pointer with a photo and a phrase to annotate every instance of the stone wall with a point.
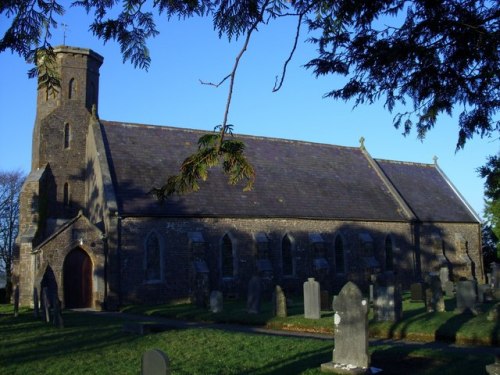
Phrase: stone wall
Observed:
(50, 257)
(177, 246)
(455, 245)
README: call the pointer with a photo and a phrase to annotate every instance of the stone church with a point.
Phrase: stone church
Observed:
(91, 232)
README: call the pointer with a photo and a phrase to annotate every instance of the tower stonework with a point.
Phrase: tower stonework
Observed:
(61, 125)
(54, 191)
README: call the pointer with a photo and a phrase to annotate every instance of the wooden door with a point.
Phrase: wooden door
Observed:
(77, 279)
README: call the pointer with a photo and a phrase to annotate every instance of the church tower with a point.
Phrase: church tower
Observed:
(59, 135)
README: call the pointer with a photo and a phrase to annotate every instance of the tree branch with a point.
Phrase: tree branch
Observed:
(292, 52)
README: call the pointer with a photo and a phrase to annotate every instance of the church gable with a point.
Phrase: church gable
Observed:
(427, 191)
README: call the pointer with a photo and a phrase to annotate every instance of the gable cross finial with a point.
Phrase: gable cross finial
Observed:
(362, 143)
(435, 158)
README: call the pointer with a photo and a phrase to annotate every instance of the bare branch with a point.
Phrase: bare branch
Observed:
(283, 73)
(215, 84)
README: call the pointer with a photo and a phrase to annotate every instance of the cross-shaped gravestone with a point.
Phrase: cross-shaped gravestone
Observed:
(155, 362)
(351, 332)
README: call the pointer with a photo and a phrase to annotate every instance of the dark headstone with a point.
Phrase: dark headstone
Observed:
(254, 295)
(216, 301)
(466, 296)
(484, 293)
(279, 303)
(58, 319)
(45, 305)
(155, 362)
(16, 301)
(351, 332)
(326, 300)
(449, 289)
(388, 303)
(495, 280)
(36, 304)
(312, 299)
(417, 291)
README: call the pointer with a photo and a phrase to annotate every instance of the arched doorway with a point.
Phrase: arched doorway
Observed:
(77, 279)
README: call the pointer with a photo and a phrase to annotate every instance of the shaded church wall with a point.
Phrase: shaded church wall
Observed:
(243, 232)
(454, 245)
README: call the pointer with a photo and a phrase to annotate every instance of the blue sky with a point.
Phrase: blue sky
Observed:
(170, 94)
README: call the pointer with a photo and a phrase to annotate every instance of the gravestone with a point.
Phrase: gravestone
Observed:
(484, 293)
(434, 300)
(16, 302)
(449, 289)
(216, 301)
(494, 368)
(56, 306)
(36, 304)
(312, 299)
(351, 333)
(325, 300)
(388, 303)
(254, 295)
(466, 296)
(444, 276)
(417, 291)
(155, 362)
(494, 313)
(279, 303)
(45, 307)
(495, 280)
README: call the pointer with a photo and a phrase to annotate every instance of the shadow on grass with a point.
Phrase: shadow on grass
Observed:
(447, 332)
(295, 365)
(406, 360)
(31, 340)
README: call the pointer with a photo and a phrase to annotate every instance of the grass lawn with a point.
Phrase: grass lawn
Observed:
(92, 344)
(417, 324)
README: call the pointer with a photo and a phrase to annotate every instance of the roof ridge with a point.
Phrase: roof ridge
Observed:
(405, 162)
(245, 136)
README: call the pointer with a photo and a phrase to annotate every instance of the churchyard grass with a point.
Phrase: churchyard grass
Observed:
(417, 324)
(91, 344)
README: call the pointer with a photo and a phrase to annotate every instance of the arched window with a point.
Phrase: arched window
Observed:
(227, 257)
(66, 196)
(287, 256)
(153, 258)
(72, 89)
(339, 255)
(389, 254)
(67, 135)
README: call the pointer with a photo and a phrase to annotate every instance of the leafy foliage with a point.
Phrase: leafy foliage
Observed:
(442, 55)
(213, 149)
(491, 232)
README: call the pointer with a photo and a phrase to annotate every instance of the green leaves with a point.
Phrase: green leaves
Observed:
(213, 150)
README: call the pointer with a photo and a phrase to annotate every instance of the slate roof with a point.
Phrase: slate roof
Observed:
(294, 179)
(427, 192)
